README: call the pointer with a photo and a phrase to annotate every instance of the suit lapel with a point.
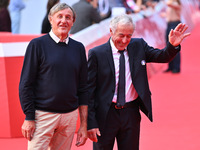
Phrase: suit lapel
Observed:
(130, 50)
(109, 57)
(134, 61)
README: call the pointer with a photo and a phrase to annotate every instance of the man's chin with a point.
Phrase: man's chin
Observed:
(121, 48)
(64, 32)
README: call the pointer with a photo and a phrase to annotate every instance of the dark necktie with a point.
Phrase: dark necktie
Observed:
(121, 83)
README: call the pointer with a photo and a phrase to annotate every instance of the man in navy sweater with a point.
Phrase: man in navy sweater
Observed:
(53, 86)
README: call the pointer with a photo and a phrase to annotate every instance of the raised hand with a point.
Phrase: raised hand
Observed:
(177, 35)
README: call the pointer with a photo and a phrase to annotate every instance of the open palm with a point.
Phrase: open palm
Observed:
(177, 35)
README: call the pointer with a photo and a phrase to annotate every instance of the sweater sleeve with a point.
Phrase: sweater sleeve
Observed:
(27, 80)
(83, 88)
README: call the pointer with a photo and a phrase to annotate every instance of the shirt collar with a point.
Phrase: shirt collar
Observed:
(114, 49)
(56, 39)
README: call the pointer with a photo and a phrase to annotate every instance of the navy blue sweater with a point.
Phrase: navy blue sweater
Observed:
(54, 77)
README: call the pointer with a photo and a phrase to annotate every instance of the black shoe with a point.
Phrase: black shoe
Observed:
(168, 70)
(175, 71)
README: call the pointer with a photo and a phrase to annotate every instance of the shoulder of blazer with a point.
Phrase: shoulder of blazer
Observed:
(135, 42)
(101, 48)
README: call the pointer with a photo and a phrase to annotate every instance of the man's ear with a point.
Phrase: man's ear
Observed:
(111, 32)
(50, 19)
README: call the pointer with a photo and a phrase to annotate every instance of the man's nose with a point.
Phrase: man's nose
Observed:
(63, 19)
(124, 40)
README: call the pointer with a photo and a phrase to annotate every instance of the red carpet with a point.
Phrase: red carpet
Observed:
(176, 107)
(176, 104)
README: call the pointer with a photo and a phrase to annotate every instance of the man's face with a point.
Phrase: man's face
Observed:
(61, 22)
(122, 36)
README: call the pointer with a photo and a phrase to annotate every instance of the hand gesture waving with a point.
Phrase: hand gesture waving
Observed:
(178, 34)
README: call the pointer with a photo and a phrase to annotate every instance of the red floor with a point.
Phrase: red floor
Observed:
(176, 104)
(176, 107)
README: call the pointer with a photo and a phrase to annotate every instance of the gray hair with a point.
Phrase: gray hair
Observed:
(123, 19)
(61, 6)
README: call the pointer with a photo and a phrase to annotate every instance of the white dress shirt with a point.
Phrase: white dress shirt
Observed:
(56, 39)
(130, 91)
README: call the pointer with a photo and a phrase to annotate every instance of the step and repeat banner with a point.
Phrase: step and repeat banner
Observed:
(149, 25)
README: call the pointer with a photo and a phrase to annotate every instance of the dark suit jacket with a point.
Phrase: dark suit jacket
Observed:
(102, 77)
(46, 26)
(5, 21)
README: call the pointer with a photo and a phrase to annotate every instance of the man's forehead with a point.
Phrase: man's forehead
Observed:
(66, 10)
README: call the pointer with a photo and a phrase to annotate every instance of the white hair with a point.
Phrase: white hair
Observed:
(122, 19)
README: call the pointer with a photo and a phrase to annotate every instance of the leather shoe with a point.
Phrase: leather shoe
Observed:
(175, 71)
(168, 70)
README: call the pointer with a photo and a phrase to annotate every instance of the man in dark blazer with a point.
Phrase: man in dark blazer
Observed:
(107, 118)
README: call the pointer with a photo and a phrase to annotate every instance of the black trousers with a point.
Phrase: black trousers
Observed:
(175, 63)
(122, 125)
